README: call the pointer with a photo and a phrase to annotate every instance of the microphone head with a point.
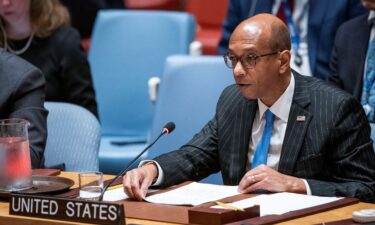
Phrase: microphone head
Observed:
(168, 128)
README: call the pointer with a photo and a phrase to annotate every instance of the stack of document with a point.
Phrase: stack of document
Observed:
(194, 194)
(117, 194)
(199, 193)
(280, 203)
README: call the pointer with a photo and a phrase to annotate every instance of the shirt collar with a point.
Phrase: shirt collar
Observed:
(371, 17)
(281, 107)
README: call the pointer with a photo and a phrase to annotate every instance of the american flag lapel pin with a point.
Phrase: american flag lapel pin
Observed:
(301, 118)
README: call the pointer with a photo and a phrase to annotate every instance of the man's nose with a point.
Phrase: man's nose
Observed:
(5, 2)
(238, 69)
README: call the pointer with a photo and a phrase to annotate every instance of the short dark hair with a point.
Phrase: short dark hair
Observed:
(280, 37)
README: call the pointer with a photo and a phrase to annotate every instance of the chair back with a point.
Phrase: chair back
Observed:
(73, 137)
(128, 47)
(188, 95)
(210, 15)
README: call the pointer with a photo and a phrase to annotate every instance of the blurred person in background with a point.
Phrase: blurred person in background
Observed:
(353, 59)
(39, 32)
(22, 96)
(312, 25)
(83, 12)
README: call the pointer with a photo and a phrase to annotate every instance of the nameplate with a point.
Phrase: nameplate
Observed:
(75, 210)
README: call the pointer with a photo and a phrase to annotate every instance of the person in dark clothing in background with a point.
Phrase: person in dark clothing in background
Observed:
(39, 32)
(83, 12)
(312, 24)
(353, 59)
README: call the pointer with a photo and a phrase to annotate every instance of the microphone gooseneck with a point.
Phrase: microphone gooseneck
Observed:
(167, 129)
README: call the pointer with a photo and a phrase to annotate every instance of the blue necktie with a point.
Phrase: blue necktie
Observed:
(368, 90)
(261, 153)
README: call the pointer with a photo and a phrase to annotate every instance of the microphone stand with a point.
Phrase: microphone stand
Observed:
(165, 131)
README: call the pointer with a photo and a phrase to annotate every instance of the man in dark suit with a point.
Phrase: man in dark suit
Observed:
(275, 130)
(350, 50)
(22, 96)
(323, 19)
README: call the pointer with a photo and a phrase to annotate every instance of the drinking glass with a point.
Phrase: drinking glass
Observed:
(90, 185)
(15, 163)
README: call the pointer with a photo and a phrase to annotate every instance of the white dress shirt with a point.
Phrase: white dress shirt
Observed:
(371, 16)
(280, 109)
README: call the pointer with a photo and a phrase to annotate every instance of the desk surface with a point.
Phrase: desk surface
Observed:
(331, 215)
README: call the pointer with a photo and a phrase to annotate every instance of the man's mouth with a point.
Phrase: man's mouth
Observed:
(243, 85)
(8, 13)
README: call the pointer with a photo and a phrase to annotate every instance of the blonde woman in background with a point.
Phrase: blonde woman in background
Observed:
(39, 32)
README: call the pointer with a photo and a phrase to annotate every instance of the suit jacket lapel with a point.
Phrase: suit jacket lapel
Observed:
(242, 131)
(298, 122)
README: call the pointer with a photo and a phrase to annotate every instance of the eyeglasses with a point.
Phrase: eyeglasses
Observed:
(248, 61)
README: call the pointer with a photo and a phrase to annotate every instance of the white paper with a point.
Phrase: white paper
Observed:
(118, 194)
(194, 194)
(281, 203)
(115, 195)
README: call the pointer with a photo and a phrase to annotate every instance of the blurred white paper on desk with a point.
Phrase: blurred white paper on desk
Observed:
(194, 194)
(115, 195)
(280, 203)
(118, 194)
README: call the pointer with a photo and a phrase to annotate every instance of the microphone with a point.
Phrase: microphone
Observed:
(167, 129)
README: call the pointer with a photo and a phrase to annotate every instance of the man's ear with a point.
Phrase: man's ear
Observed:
(284, 58)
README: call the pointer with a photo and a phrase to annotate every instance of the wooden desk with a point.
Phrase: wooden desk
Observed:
(331, 215)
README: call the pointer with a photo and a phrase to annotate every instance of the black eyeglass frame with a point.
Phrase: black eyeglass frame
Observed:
(253, 60)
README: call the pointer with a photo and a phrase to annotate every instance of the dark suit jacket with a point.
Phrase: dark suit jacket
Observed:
(331, 149)
(349, 55)
(22, 96)
(324, 18)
